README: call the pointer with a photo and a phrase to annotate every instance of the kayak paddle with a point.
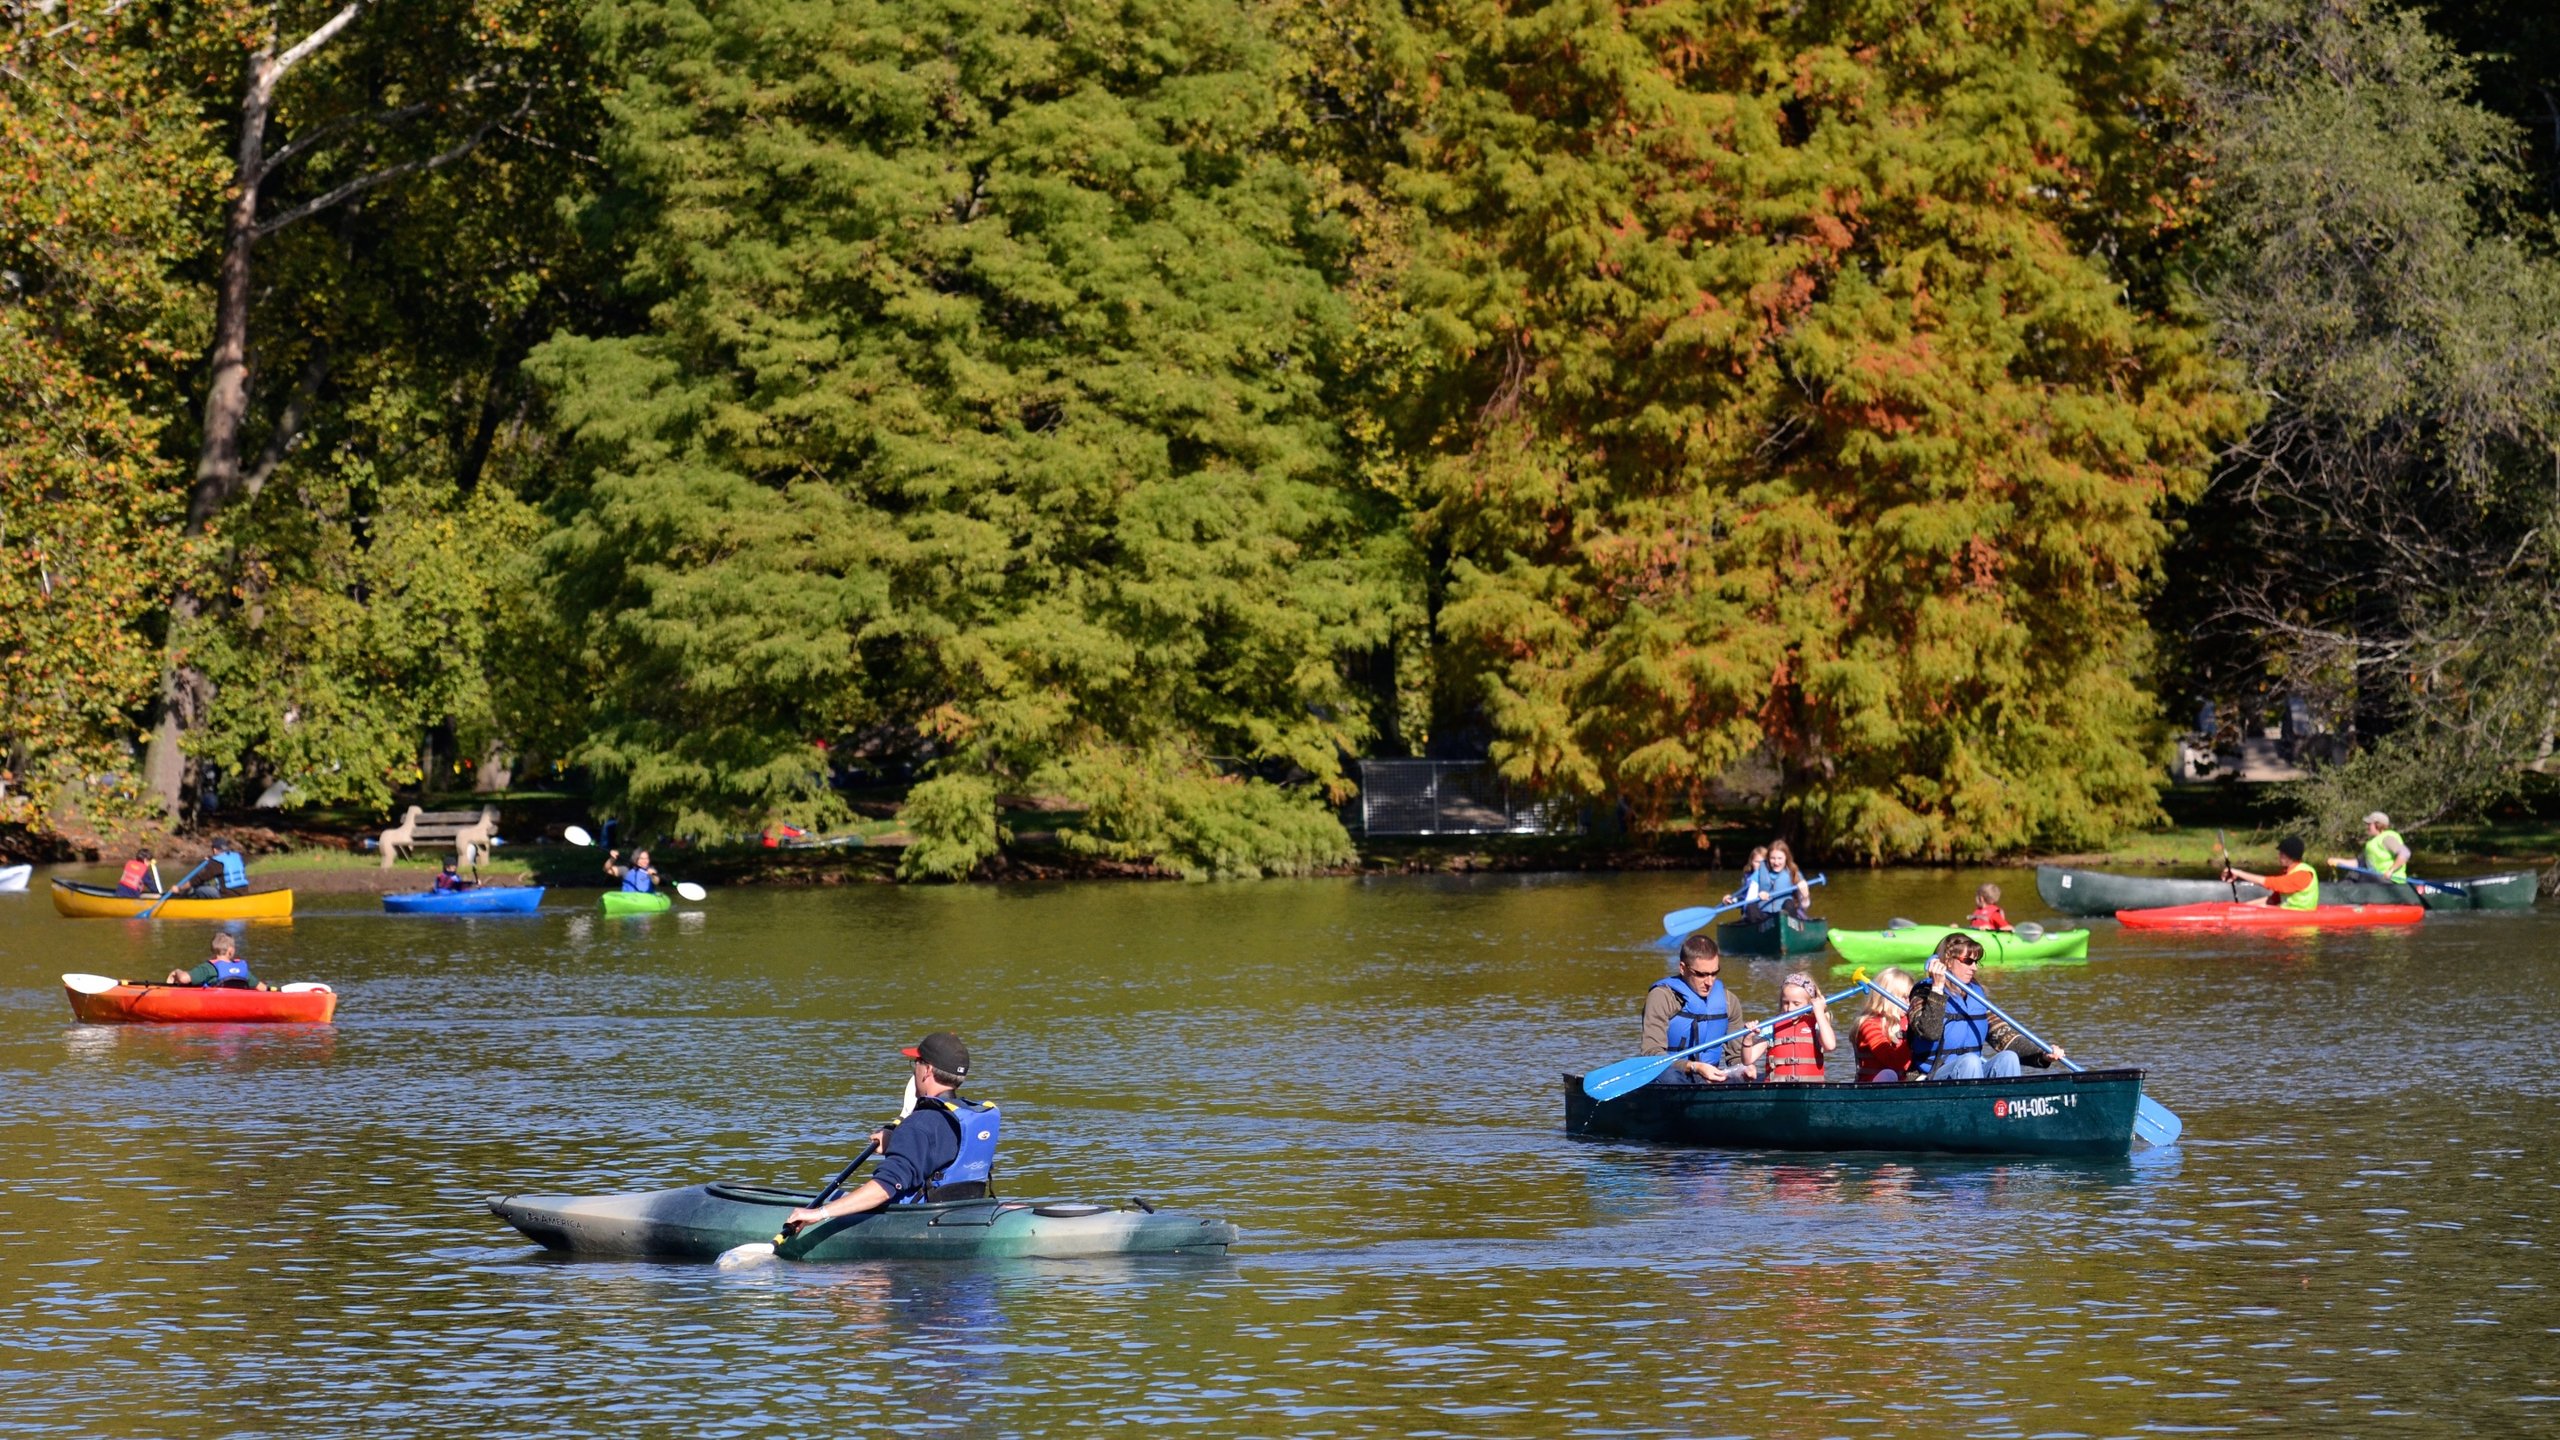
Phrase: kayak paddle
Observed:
(90, 984)
(2156, 1123)
(755, 1250)
(1681, 922)
(2222, 853)
(1611, 1081)
(577, 835)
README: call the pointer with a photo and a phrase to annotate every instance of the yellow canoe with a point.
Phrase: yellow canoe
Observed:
(100, 901)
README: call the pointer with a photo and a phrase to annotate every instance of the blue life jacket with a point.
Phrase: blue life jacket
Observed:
(635, 881)
(1968, 1027)
(1702, 1019)
(233, 973)
(235, 875)
(1765, 884)
(972, 1172)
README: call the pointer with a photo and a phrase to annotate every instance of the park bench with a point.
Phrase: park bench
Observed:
(469, 832)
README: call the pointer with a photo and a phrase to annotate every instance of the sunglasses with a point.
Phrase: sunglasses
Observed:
(1699, 974)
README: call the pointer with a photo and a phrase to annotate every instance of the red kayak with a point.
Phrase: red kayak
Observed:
(100, 1001)
(2225, 915)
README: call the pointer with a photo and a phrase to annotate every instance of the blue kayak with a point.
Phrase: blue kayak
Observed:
(490, 900)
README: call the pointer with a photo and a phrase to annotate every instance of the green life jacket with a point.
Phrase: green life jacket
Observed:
(2378, 856)
(2308, 897)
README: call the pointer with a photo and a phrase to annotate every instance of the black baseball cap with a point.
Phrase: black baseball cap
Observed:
(943, 1051)
(2290, 847)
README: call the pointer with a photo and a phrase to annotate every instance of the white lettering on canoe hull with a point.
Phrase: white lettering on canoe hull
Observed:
(2033, 1107)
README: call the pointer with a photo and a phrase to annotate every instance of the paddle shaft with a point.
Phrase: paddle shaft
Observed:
(1686, 925)
(2221, 852)
(2412, 881)
(829, 1191)
(154, 907)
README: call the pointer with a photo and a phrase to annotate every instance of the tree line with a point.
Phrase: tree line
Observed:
(1156, 405)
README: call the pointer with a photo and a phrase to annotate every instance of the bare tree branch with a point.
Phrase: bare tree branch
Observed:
(379, 178)
(327, 32)
(303, 145)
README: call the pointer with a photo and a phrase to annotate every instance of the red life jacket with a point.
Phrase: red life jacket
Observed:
(1987, 917)
(1794, 1051)
(136, 876)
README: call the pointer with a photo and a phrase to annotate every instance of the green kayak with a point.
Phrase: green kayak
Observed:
(1787, 936)
(1912, 944)
(633, 902)
(699, 1222)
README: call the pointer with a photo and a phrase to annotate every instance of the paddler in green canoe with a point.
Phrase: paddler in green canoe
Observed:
(946, 1150)
(2385, 853)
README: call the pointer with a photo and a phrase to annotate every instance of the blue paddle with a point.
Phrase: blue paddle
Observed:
(1611, 1081)
(1681, 922)
(172, 890)
(2156, 1123)
(2423, 887)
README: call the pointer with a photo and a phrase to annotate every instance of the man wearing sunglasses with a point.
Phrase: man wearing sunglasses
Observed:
(1692, 1008)
(1954, 1035)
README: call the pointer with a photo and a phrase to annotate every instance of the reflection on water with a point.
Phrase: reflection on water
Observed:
(212, 1229)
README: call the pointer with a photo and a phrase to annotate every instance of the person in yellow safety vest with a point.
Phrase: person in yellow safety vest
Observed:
(2385, 853)
(2296, 888)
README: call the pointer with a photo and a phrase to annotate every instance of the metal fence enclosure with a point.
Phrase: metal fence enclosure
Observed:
(1450, 797)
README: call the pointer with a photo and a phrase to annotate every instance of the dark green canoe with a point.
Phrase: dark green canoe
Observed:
(2062, 1113)
(698, 1222)
(1786, 936)
(2095, 892)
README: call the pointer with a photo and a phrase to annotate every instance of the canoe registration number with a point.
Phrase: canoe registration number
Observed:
(2033, 1106)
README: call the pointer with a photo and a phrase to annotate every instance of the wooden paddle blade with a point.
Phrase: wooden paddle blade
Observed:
(576, 835)
(89, 984)
(2156, 1123)
(690, 891)
(1611, 1081)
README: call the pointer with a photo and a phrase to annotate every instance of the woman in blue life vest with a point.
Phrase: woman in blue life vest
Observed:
(1953, 1034)
(638, 877)
(946, 1150)
(1692, 1008)
(223, 968)
(1775, 886)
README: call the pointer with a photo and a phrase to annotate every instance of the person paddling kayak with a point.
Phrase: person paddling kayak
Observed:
(2385, 853)
(638, 878)
(1775, 886)
(946, 1150)
(449, 879)
(2296, 888)
(222, 969)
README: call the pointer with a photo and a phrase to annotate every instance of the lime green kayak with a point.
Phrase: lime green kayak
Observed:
(633, 902)
(1912, 944)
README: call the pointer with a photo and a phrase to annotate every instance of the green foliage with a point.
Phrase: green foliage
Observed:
(1796, 394)
(1172, 810)
(340, 652)
(952, 819)
(100, 167)
(2383, 539)
(981, 410)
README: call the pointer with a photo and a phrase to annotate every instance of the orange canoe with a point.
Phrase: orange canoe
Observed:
(125, 1003)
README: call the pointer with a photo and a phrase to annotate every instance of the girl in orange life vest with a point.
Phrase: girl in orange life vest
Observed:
(137, 871)
(1798, 1047)
(1987, 914)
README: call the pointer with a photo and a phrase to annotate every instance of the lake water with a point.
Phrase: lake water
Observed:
(276, 1231)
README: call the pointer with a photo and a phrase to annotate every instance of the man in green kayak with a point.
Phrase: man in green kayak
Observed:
(946, 1150)
(2385, 853)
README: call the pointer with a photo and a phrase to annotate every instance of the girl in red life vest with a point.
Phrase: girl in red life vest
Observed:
(1797, 1047)
(1883, 1050)
(1987, 914)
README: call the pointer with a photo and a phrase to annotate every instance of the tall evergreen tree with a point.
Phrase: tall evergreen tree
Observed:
(1802, 392)
(982, 402)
